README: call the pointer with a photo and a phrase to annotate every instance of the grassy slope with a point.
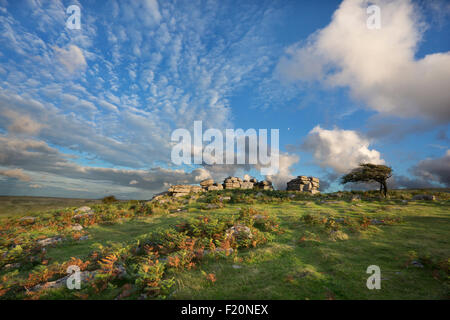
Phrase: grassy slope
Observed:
(21, 206)
(288, 268)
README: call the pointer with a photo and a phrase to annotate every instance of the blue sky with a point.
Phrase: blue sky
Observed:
(89, 112)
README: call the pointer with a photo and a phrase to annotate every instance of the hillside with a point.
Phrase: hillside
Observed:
(231, 244)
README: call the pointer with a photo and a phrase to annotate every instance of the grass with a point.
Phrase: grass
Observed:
(304, 261)
(22, 206)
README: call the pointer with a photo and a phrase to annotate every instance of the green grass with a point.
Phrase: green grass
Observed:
(315, 268)
(22, 206)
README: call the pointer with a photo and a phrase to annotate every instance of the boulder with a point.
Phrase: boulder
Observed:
(84, 275)
(215, 187)
(247, 185)
(207, 182)
(77, 227)
(83, 210)
(304, 183)
(184, 190)
(49, 241)
(427, 197)
(83, 215)
(28, 220)
(239, 231)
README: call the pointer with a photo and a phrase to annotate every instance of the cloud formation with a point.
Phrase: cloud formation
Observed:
(340, 150)
(71, 57)
(436, 170)
(377, 65)
(15, 173)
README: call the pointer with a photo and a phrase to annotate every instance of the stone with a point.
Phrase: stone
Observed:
(264, 185)
(207, 182)
(304, 184)
(83, 210)
(77, 227)
(247, 185)
(84, 275)
(338, 235)
(427, 197)
(49, 241)
(180, 194)
(83, 238)
(29, 220)
(239, 231)
(184, 190)
(417, 264)
(83, 215)
(259, 217)
(213, 187)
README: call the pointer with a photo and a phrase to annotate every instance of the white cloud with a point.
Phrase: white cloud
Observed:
(21, 123)
(340, 150)
(72, 58)
(286, 161)
(379, 66)
(15, 173)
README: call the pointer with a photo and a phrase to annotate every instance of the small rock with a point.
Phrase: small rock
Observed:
(235, 266)
(122, 272)
(84, 275)
(83, 215)
(417, 264)
(426, 197)
(210, 206)
(83, 238)
(259, 217)
(49, 241)
(207, 182)
(239, 231)
(77, 227)
(28, 219)
(83, 209)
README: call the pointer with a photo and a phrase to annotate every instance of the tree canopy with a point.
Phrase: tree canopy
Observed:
(368, 172)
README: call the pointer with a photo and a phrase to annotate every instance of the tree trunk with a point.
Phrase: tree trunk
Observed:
(385, 188)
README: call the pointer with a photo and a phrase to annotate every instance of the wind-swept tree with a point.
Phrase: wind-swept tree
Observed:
(368, 172)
